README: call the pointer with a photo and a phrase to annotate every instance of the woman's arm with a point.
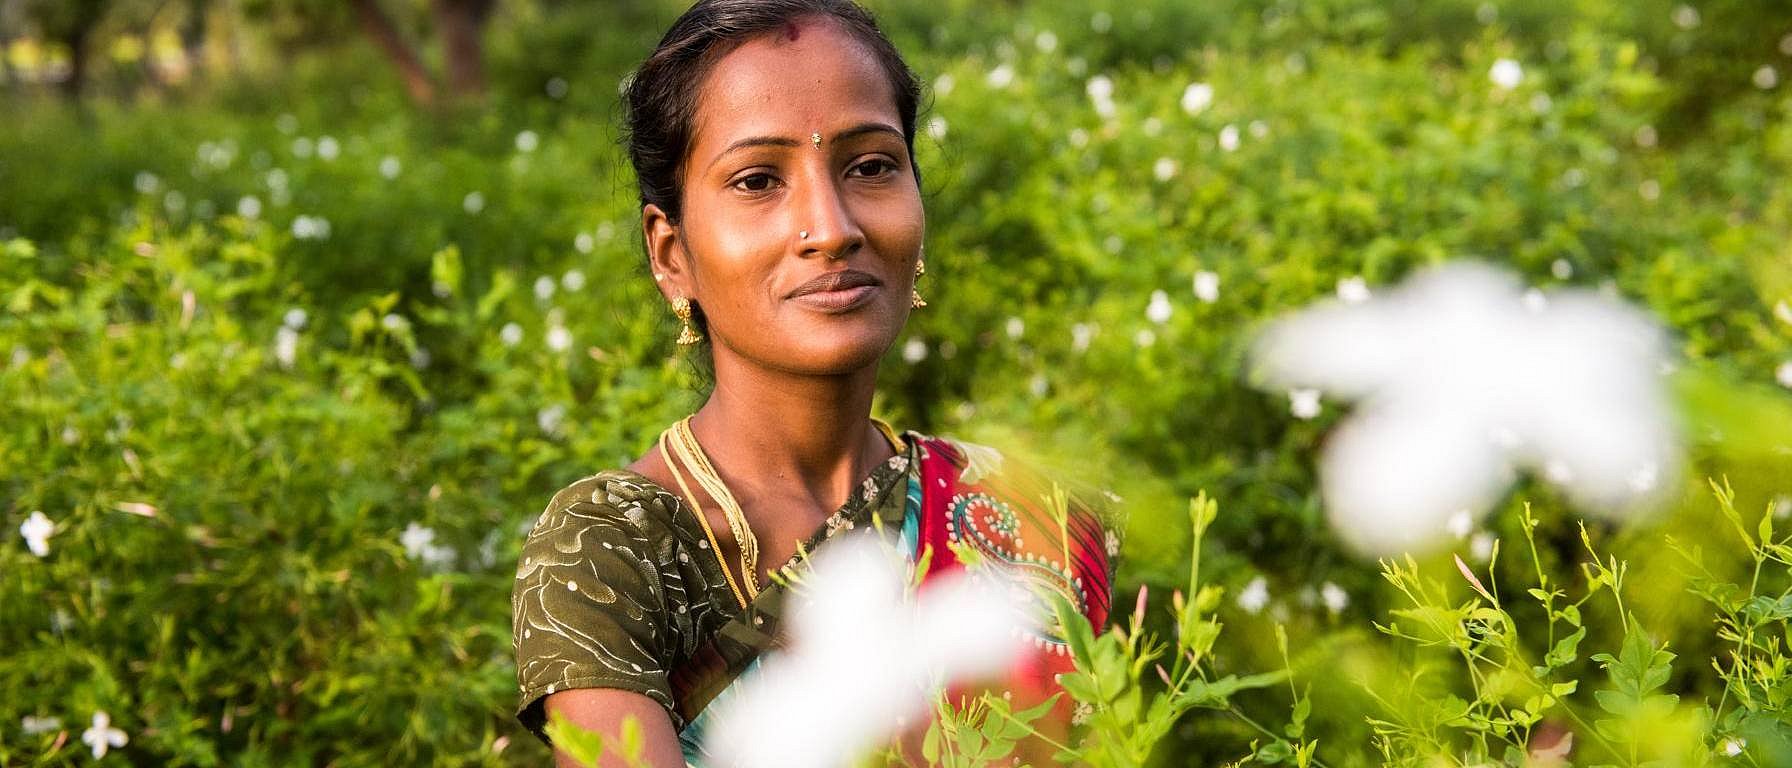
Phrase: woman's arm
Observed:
(602, 710)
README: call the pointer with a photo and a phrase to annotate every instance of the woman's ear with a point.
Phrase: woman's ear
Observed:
(665, 253)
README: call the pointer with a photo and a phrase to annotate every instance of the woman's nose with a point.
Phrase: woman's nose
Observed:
(825, 221)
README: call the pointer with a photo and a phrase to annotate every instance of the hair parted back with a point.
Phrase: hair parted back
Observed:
(660, 104)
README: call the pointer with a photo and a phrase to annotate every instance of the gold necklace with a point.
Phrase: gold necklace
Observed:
(684, 445)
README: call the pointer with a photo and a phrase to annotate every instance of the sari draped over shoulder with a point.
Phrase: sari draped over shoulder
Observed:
(670, 630)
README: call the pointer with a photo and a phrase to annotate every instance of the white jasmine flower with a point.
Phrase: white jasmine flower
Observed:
(1080, 336)
(390, 166)
(1506, 74)
(1353, 290)
(1038, 385)
(527, 141)
(573, 280)
(146, 183)
(420, 358)
(1001, 76)
(1229, 137)
(817, 703)
(33, 725)
(1649, 189)
(1686, 16)
(1164, 169)
(394, 322)
(1158, 311)
(1766, 77)
(37, 530)
(1303, 403)
(914, 351)
(474, 202)
(1334, 597)
(1259, 129)
(943, 84)
(559, 339)
(1207, 286)
(550, 418)
(327, 148)
(1254, 596)
(583, 242)
(1645, 136)
(1144, 338)
(302, 147)
(101, 736)
(1196, 98)
(1480, 546)
(249, 207)
(1046, 41)
(295, 318)
(1152, 126)
(1561, 269)
(1450, 361)
(1101, 22)
(1461, 523)
(286, 123)
(1100, 88)
(1734, 746)
(1783, 311)
(1015, 327)
(936, 127)
(511, 334)
(306, 227)
(1784, 374)
(544, 288)
(286, 346)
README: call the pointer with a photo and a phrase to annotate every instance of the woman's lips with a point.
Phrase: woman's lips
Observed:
(842, 300)
(838, 291)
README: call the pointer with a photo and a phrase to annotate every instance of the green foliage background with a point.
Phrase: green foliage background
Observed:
(267, 612)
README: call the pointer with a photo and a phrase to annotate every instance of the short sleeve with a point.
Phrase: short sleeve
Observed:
(587, 608)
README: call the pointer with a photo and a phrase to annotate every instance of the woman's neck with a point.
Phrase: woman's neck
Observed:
(778, 434)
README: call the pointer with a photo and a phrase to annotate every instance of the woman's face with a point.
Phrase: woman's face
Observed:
(755, 180)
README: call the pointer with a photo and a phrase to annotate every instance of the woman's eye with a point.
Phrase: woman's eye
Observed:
(874, 168)
(757, 182)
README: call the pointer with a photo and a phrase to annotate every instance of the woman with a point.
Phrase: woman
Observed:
(781, 211)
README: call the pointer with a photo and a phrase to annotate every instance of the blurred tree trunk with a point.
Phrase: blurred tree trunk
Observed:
(461, 25)
(385, 34)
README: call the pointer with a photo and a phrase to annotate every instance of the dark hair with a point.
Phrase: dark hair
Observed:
(661, 101)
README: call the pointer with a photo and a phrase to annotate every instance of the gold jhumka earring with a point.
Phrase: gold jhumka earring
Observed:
(687, 335)
(914, 299)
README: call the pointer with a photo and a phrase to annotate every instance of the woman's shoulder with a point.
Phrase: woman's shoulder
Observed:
(617, 494)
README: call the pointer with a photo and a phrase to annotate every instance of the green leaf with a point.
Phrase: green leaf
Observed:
(583, 746)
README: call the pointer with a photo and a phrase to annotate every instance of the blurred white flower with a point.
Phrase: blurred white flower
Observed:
(286, 123)
(1733, 747)
(583, 242)
(1786, 44)
(527, 141)
(1144, 338)
(306, 227)
(1784, 374)
(1259, 129)
(327, 148)
(1460, 382)
(1461, 523)
(249, 207)
(943, 84)
(1001, 76)
(1080, 336)
(1196, 98)
(1015, 327)
(1645, 136)
(1101, 93)
(1487, 13)
(1353, 290)
(1766, 77)
(1506, 74)
(33, 725)
(1207, 286)
(914, 351)
(544, 287)
(1783, 311)
(1334, 597)
(390, 166)
(559, 339)
(1046, 41)
(295, 318)
(147, 183)
(1561, 269)
(302, 147)
(550, 418)
(1038, 385)
(1686, 16)
(1158, 311)
(1101, 22)
(1229, 137)
(1649, 189)
(37, 530)
(1480, 546)
(394, 322)
(1152, 127)
(511, 334)
(817, 703)
(101, 736)
(420, 358)
(1303, 403)
(286, 346)
(936, 127)
(474, 202)
(556, 88)
(1254, 596)
(573, 280)
(1164, 169)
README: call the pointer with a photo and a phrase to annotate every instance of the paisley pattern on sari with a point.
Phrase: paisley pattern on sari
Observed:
(617, 587)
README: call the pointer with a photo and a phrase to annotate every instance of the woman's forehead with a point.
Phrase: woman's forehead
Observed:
(789, 86)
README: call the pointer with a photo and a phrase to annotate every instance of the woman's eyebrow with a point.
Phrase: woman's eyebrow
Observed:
(780, 141)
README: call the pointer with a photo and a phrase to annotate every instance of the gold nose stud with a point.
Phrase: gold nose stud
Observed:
(815, 138)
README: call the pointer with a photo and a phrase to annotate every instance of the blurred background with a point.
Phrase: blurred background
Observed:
(311, 305)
